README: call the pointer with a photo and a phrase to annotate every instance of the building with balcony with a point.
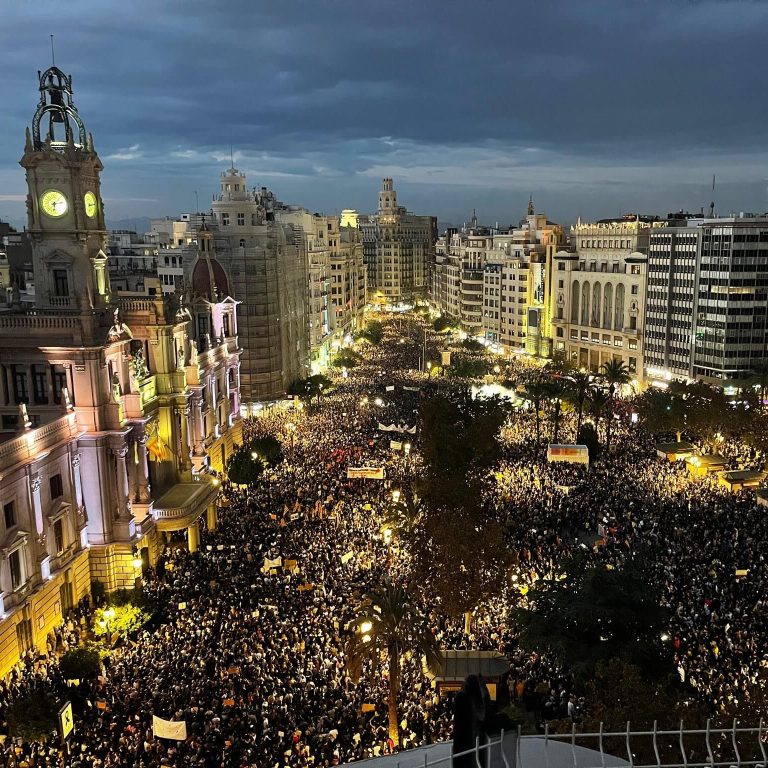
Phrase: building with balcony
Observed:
(598, 292)
(398, 247)
(115, 411)
(496, 282)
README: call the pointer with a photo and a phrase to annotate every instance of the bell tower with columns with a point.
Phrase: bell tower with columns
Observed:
(65, 214)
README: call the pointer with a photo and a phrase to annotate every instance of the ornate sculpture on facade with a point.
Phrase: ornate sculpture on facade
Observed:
(119, 329)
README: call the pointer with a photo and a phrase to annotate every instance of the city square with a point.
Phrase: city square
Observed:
(306, 485)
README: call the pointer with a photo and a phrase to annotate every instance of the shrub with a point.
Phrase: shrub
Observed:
(33, 717)
(80, 664)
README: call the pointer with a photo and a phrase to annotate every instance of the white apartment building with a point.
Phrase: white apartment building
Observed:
(599, 292)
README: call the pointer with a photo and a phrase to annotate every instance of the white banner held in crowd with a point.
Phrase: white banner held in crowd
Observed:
(390, 388)
(169, 729)
(411, 389)
(369, 473)
(404, 428)
(395, 445)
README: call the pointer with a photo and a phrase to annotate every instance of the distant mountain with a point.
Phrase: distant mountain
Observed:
(140, 224)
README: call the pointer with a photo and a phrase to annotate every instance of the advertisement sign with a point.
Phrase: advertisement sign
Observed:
(577, 454)
(66, 722)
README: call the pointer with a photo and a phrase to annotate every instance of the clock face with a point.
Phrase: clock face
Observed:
(90, 204)
(53, 203)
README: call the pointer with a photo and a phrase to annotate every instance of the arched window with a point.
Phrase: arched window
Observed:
(575, 302)
(596, 296)
(585, 304)
(618, 321)
(607, 305)
(242, 243)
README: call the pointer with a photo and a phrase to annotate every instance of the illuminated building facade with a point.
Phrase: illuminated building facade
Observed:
(266, 260)
(398, 247)
(599, 293)
(707, 307)
(497, 282)
(104, 455)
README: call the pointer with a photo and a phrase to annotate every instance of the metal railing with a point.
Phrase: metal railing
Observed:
(747, 747)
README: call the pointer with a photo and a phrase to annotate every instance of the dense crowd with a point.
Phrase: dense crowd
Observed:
(252, 657)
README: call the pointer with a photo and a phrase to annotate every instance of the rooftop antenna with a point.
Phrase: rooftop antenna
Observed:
(53, 53)
(232, 156)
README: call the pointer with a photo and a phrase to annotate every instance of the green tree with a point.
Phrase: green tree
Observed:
(467, 367)
(373, 332)
(472, 345)
(595, 613)
(391, 627)
(119, 620)
(459, 551)
(80, 664)
(535, 393)
(598, 406)
(32, 717)
(245, 467)
(615, 374)
(311, 388)
(556, 392)
(268, 448)
(346, 358)
(580, 387)
(445, 323)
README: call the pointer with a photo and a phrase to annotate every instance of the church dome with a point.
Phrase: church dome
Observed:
(208, 275)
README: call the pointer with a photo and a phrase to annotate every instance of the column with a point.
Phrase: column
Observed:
(193, 536)
(198, 426)
(82, 515)
(123, 499)
(183, 414)
(142, 468)
(212, 517)
(42, 554)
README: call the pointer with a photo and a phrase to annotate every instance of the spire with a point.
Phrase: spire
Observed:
(530, 206)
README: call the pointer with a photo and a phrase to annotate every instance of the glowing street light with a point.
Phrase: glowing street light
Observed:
(378, 401)
(366, 627)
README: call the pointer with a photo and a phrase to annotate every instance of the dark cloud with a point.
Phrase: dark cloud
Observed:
(592, 105)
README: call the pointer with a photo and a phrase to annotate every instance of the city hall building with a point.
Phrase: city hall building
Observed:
(116, 412)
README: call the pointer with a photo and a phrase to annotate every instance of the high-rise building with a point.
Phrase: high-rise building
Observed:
(707, 305)
(266, 261)
(104, 454)
(599, 292)
(398, 247)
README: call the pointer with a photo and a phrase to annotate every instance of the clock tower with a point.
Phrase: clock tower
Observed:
(65, 214)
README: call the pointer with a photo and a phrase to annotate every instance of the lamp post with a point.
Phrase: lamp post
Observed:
(109, 614)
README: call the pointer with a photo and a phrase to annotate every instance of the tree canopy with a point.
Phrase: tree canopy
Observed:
(595, 612)
(244, 467)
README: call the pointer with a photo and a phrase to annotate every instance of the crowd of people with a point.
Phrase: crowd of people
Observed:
(248, 644)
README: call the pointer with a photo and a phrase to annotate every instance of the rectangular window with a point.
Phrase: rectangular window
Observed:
(59, 382)
(225, 219)
(240, 219)
(635, 290)
(60, 282)
(20, 386)
(57, 488)
(17, 575)
(633, 343)
(9, 514)
(58, 535)
(617, 342)
(40, 386)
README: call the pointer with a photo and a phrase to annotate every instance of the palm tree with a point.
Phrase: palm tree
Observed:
(598, 406)
(556, 391)
(535, 392)
(391, 626)
(581, 387)
(615, 374)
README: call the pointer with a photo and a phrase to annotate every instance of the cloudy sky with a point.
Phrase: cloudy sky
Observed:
(596, 107)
